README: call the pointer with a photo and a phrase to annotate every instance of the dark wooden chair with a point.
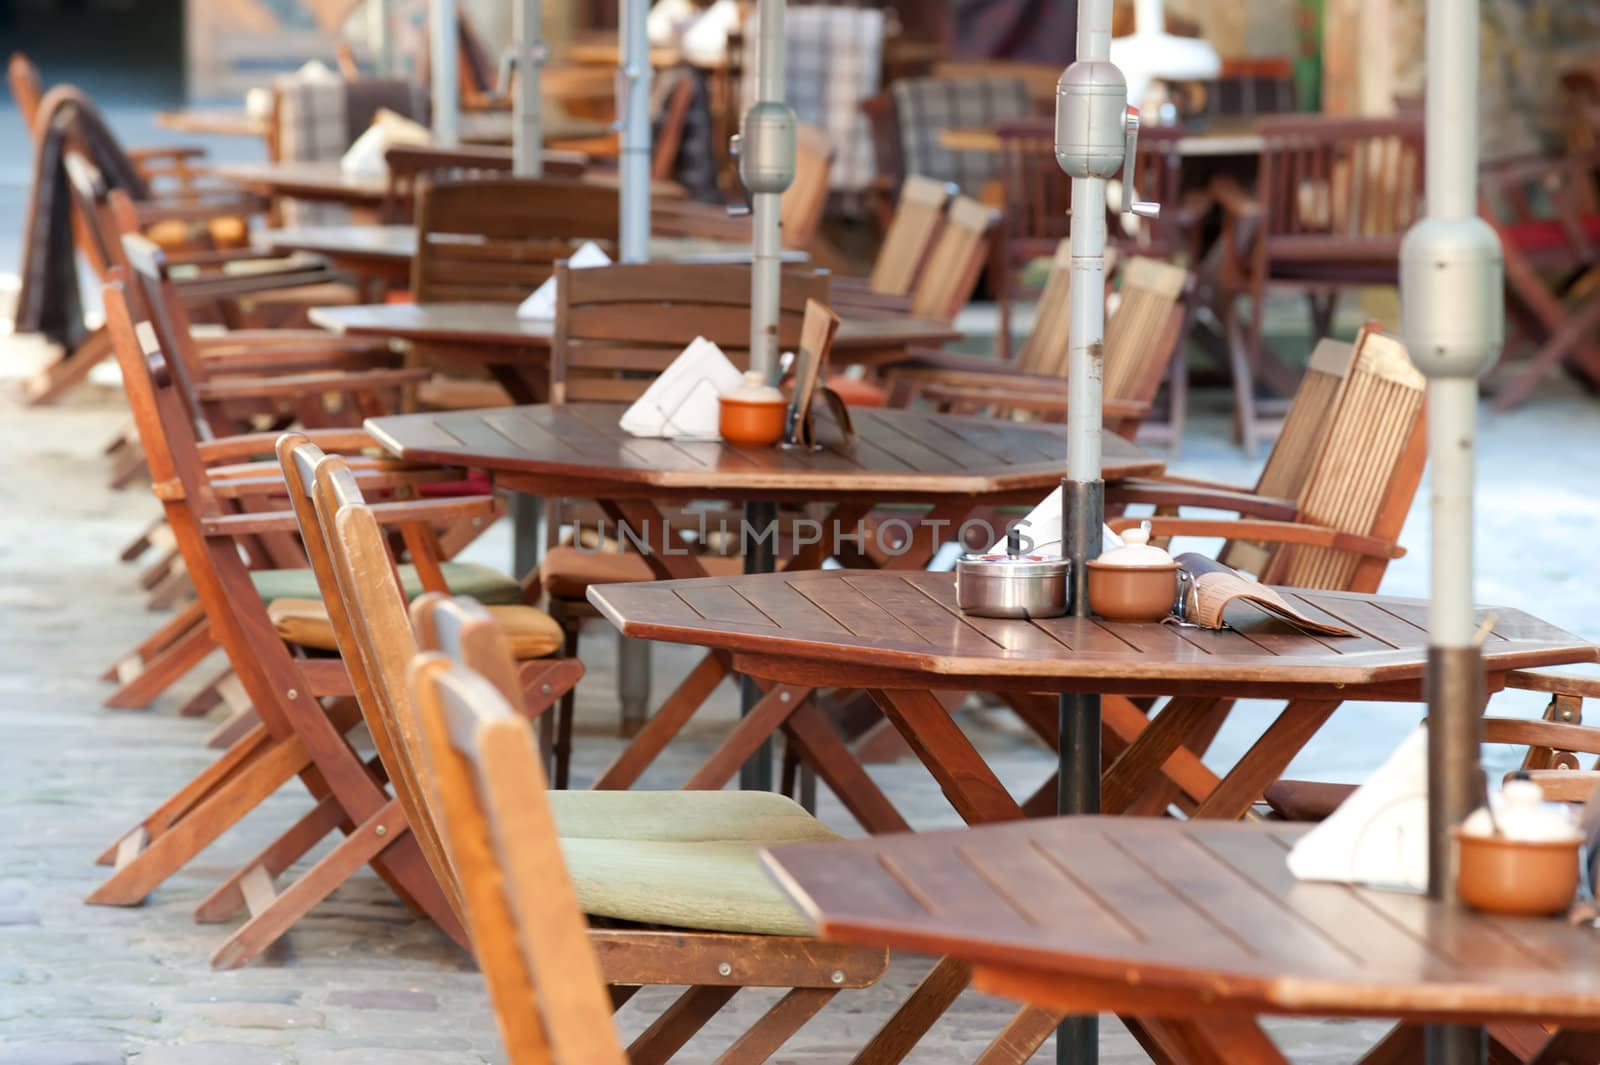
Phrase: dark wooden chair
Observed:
(1333, 199)
(410, 164)
(616, 328)
(1549, 226)
(525, 873)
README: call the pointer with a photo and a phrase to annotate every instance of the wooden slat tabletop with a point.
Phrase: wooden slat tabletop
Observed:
(324, 180)
(896, 454)
(497, 325)
(397, 245)
(908, 622)
(1200, 910)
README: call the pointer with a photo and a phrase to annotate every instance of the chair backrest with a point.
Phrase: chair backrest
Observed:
(951, 270)
(27, 89)
(1142, 334)
(92, 226)
(531, 937)
(1294, 452)
(1044, 351)
(918, 214)
(618, 326)
(1036, 193)
(1340, 187)
(495, 241)
(1366, 470)
(367, 610)
(926, 107)
(806, 198)
(409, 164)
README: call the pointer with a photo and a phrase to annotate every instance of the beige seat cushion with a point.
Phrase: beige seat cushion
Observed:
(685, 859)
(568, 572)
(304, 623)
(483, 583)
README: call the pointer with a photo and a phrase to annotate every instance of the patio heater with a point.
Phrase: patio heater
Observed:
(527, 58)
(1453, 313)
(1096, 137)
(633, 112)
(444, 64)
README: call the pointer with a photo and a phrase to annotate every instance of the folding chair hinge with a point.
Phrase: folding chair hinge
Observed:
(169, 491)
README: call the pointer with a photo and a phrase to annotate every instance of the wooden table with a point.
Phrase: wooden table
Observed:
(516, 350)
(900, 636)
(325, 182)
(954, 466)
(387, 250)
(1189, 931)
(1213, 140)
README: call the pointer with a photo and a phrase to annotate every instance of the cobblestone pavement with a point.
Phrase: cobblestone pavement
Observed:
(360, 981)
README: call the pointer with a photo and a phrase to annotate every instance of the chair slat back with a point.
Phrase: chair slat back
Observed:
(1142, 333)
(367, 609)
(495, 241)
(1367, 468)
(27, 89)
(1037, 194)
(1294, 452)
(952, 268)
(618, 326)
(529, 932)
(804, 201)
(1341, 181)
(1044, 351)
(91, 223)
(918, 214)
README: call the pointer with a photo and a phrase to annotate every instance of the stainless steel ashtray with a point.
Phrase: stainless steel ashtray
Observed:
(1012, 585)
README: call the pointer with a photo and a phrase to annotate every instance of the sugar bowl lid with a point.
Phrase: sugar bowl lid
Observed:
(1136, 552)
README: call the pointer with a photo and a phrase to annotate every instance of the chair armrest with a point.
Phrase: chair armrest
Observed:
(1554, 683)
(918, 361)
(1162, 494)
(238, 286)
(1521, 732)
(262, 445)
(300, 384)
(171, 153)
(1563, 785)
(405, 512)
(1258, 531)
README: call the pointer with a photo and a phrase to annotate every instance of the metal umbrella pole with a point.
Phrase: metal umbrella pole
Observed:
(1453, 309)
(443, 42)
(633, 112)
(1096, 136)
(527, 61)
(765, 148)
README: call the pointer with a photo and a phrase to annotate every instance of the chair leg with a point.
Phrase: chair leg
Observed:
(669, 1032)
(230, 896)
(168, 634)
(143, 681)
(160, 846)
(561, 740)
(155, 532)
(761, 1040)
(1244, 395)
(55, 380)
(917, 1014)
(273, 913)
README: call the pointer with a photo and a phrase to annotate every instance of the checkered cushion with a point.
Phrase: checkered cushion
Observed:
(926, 107)
(832, 58)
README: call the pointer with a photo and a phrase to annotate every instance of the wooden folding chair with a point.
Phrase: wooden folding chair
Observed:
(1333, 199)
(515, 849)
(950, 271)
(616, 328)
(918, 214)
(297, 734)
(1143, 336)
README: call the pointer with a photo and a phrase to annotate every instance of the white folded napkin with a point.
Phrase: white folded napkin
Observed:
(1041, 530)
(365, 158)
(1379, 836)
(682, 402)
(541, 304)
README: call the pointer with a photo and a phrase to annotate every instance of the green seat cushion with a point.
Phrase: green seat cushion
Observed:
(483, 583)
(684, 859)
